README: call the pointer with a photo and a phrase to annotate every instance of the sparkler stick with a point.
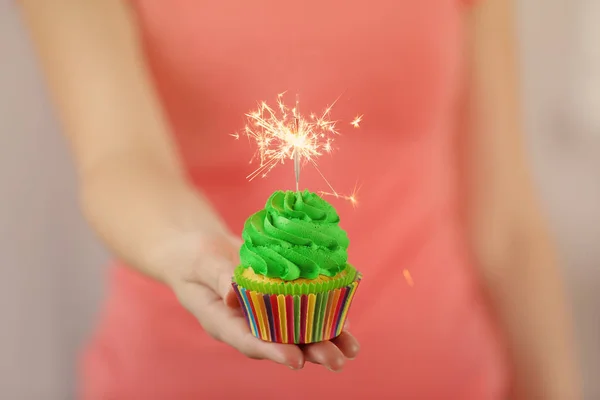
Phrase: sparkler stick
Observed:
(282, 134)
(296, 153)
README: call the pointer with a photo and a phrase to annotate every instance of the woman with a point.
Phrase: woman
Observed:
(148, 92)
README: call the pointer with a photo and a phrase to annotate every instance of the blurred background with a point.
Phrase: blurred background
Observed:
(48, 297)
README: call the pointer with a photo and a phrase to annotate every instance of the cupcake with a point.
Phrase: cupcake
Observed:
(294, 282)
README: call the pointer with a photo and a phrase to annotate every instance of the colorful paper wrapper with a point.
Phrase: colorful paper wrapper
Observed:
(297, 319)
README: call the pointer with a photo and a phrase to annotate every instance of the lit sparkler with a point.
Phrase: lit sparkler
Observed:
(284, 134)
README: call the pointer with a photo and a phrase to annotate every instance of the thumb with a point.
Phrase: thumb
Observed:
(215, 272)
(216, 263)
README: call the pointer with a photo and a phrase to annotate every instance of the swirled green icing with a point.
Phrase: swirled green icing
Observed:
(296, 235)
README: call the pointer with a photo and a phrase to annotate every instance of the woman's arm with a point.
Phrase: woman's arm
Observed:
(134, 191)
(509, 235)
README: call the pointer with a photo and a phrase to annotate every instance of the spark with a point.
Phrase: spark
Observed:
(352, 198)
(281, 133)
(356, 122)
(408, 277)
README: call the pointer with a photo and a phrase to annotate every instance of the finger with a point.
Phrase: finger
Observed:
(229, 326)
(240, 337)
(236, 242)
(347, 344)
(231, 300)
(214, 263)
(325, 353)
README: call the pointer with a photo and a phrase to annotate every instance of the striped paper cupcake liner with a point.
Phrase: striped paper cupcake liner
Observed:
(297, 319)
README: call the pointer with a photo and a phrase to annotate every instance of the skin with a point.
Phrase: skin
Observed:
(94, 66)
(508, 233)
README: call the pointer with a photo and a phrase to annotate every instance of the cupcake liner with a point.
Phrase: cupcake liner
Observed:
(297, 287)
(297, 319)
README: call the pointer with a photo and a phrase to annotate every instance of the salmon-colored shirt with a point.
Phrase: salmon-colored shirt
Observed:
(399, 63)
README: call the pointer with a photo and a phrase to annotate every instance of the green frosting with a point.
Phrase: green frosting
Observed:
(296, 236)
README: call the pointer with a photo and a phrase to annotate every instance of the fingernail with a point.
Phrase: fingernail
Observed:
(333, 370)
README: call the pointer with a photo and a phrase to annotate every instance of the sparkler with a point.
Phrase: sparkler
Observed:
(284, 134)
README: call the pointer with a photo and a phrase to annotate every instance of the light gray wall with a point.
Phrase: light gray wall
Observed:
(51, 266)
(561, 71)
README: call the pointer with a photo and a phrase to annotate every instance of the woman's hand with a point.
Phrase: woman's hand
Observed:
(205, 290)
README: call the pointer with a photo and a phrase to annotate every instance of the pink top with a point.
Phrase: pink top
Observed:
(398, 62)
